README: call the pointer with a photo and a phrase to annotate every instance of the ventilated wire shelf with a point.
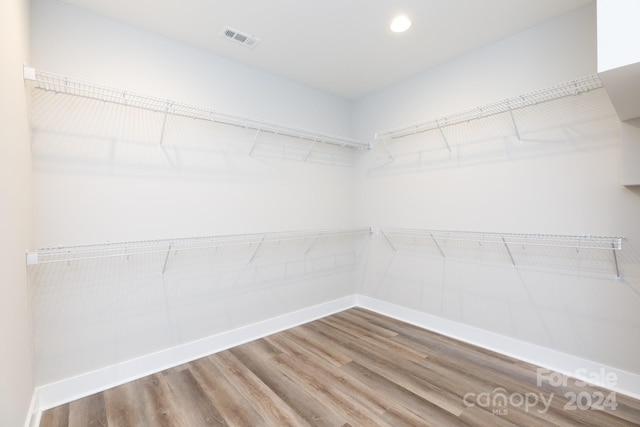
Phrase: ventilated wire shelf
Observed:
(508, 241)
(60, 84)
(166, 246)
(549, 240)
(562, 90)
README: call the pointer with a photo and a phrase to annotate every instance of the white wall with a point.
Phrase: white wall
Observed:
(101, 176)
(562, 178)
(17, 385)
(216, 191)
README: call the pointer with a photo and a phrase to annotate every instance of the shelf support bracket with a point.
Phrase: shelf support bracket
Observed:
(444, 137)
(515, 125)
(615, 260)
(166, 258)
(164, 121)
(388, 241)
(255, 138)
(306, 156)
(386, 147)
(437, 245)
(253, 255)
(312, 243)
(508, 251)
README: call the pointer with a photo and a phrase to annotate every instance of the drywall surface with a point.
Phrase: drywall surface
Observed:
(93, 314)
(101, 175)
(17, 384)
(630, 147)
(108, 173)
(561, 177)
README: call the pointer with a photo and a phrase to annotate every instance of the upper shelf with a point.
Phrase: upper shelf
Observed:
(61, 84)
(546, 240)
(570, 88)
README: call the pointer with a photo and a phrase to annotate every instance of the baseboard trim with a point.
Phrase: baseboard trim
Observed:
(67, 390)
(626, 382)
(33, 416)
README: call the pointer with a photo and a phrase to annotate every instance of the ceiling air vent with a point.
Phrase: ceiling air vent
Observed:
(240, 37)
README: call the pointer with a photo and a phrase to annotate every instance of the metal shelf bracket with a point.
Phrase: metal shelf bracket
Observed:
(166, 258)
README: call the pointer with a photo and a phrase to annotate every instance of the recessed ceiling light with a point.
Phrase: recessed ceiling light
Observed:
(400, 24)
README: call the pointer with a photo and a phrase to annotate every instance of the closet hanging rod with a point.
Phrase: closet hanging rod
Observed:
(562, 90)
(60, 84)
(146, 247)
(546, 240)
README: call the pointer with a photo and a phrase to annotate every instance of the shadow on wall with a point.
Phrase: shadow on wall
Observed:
(93, 136)
(560, 298)
(575, 123)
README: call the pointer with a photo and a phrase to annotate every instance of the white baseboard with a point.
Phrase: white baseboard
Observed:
(54, 394)
(33, 416)
(625, 382)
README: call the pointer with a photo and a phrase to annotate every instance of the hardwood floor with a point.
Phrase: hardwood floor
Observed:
(354, 368)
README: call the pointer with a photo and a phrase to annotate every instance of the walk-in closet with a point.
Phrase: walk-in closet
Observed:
(277, 214)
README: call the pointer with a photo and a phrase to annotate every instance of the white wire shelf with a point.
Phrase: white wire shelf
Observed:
(507, 240)
(70, 254)
(60, 84)
(562, 90)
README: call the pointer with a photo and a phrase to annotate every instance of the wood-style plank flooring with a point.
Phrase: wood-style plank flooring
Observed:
(354, 368)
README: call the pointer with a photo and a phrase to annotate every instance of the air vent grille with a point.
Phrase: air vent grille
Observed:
(240, 37)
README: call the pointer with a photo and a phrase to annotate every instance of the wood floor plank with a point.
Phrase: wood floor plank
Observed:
(196, 409)
(55, 417)
(330, 395)
(373, 400)
(371, 328)
(324, 374)
(312, 412)
(269, 405)
(465, 364)
(330, 354)
(90, 412)
(124, 406)
(430, 413)
(235, 409)
(476, 416)
(354, 368)
(156, 401)
(404, 372)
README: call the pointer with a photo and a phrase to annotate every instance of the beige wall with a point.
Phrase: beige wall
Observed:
(16, 386)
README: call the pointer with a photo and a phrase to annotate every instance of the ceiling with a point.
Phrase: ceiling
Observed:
(343, 47)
